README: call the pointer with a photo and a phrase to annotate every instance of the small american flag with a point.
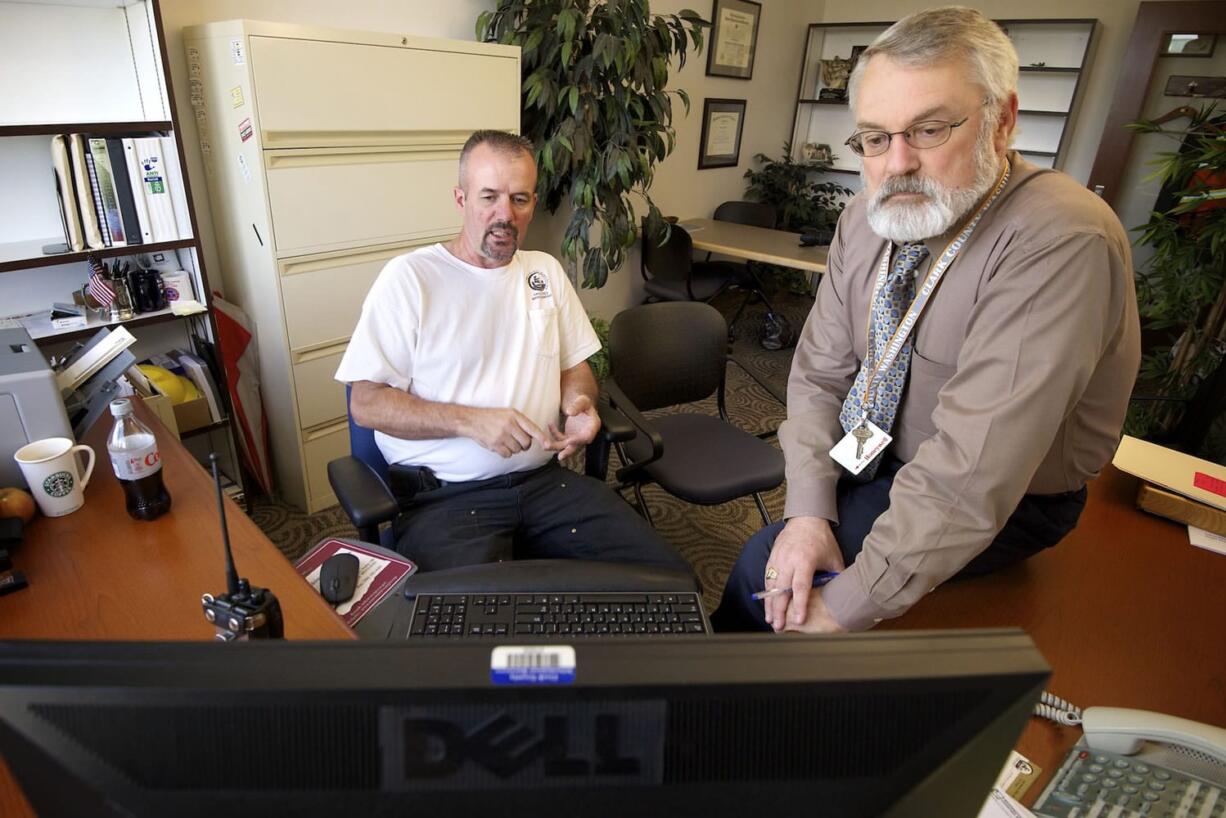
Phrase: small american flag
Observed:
(99, 287)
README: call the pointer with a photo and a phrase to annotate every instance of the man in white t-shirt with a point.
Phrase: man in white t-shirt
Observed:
(463, 356)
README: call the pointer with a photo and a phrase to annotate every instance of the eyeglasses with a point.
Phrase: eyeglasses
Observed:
(931, 133)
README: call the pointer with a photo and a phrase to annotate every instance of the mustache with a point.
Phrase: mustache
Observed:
(905, 184)
(503, 226)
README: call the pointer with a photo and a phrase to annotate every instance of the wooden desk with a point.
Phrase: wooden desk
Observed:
(755, 243)
(99, 574)
(1125, 610)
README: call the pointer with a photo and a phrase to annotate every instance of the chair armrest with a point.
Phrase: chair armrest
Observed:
(363, 496)
(619, 401)
(614, 428)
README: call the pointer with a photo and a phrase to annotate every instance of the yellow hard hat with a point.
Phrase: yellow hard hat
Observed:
(176, 387)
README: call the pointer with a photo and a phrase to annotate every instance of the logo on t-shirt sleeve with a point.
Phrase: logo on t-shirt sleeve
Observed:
(538, 282)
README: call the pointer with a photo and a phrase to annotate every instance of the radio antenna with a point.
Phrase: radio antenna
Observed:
(231, 574)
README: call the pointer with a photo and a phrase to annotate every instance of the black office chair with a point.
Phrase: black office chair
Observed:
(671, 274)
(756, 214)
(667, 354)
(361, 484)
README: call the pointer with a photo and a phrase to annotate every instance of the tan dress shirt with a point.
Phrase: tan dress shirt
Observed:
(1022, 367)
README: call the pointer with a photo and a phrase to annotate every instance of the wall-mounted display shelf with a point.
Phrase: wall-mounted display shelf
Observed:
(1052, 53)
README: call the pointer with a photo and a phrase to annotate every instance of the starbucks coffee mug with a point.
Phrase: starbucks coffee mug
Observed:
(53, 472)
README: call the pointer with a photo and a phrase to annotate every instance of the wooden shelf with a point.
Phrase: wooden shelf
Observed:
(824, 101)
(212, 427)
(99, 128)
(25, 255)
(1042, 113)
(1045, 69)
(1034, 153)
(40, 328)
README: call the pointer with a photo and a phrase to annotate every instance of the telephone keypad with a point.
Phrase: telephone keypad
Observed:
(1105, 785)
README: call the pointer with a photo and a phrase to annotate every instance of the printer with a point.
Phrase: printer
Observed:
(30, 403)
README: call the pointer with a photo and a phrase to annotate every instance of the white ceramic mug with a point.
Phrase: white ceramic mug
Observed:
(53, 472)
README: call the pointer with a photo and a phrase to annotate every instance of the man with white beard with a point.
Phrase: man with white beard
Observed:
(967, 364)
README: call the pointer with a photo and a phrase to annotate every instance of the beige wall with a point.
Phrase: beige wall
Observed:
(455, 19)
(680, 189)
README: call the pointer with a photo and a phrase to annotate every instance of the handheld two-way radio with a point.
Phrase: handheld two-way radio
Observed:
(243, 612)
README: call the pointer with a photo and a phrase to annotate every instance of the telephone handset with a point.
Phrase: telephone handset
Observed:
(1122, 731)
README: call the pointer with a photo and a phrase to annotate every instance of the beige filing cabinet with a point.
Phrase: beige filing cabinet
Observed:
(328, 152)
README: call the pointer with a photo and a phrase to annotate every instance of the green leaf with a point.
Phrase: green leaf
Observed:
(597, 102)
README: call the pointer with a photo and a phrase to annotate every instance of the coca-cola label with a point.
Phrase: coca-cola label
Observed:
(133, 464)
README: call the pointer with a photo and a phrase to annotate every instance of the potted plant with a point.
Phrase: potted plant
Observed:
(1181, 290)
(597, 107)
(802, 205)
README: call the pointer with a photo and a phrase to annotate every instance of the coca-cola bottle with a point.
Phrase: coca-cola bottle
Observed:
(137, 463)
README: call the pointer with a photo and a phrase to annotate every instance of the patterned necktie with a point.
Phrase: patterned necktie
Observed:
(889, 307)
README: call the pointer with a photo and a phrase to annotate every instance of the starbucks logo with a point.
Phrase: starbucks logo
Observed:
(58, 484)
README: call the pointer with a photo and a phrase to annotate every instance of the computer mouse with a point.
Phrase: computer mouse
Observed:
(338, 577)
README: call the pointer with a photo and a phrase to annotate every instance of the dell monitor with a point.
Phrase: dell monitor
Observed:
(878, 724)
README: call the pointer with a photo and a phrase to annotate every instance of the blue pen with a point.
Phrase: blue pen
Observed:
(819, 580)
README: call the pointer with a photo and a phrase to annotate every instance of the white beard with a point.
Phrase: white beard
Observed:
(944, 207)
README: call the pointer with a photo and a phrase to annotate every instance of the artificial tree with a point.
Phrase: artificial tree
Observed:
(597, 107)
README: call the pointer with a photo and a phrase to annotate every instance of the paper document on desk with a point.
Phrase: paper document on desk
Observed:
(1000, 805)
(1206, 539)
(689, 228)
(1192, 477)
(378, 575)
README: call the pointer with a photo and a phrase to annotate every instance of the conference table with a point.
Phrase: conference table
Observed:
(1125, 611)
(756, 244)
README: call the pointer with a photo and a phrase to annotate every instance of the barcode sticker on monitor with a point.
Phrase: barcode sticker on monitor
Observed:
(532, 665)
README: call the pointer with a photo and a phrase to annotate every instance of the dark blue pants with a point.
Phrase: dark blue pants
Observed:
(549, 512)
(1040, 521)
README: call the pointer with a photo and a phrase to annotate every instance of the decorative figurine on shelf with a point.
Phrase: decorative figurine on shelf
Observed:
(823, 154)
(808, 151)
(835, 72)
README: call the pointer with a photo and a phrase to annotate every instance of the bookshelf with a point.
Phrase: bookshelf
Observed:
(106, 75)
(1052, 53)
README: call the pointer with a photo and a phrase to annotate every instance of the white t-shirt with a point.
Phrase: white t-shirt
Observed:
(449, 332)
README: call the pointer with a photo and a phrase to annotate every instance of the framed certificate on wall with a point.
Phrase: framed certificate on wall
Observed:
(723, 120)
(734, 38)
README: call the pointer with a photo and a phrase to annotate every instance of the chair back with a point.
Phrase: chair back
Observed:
(670, 261)
(668, 353)
(758, 214)
(362, 443)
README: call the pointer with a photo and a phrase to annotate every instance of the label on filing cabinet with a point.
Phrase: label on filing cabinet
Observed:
(532, 665)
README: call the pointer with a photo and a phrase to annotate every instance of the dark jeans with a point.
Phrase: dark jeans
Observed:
(1040, 521)
(549, 512)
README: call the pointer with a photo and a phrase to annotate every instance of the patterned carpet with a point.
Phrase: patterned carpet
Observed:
(710, 537)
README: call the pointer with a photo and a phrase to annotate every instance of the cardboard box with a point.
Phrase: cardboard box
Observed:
(160, 405)
(1181, 509)
(192, 415)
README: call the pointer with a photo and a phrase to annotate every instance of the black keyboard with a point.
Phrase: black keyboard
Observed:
(579, 615)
